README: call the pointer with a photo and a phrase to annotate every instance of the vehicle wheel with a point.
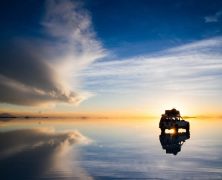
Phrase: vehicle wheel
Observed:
(188, 128)
(176, 129)
(162, 130)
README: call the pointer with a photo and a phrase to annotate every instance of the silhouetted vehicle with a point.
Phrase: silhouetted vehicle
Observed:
(172, 120)
(172, 143)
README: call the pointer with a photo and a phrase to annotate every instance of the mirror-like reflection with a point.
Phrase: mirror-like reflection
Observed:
(172, 142)
(39, 153)
(63, 149)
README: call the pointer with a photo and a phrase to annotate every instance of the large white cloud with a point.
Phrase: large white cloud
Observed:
(38, 71)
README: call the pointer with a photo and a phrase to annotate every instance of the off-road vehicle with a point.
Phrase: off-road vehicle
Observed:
(172, 120)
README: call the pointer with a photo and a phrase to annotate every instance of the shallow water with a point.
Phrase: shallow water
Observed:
(108, 149)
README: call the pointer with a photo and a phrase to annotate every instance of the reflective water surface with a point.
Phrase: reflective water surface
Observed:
(108, 149)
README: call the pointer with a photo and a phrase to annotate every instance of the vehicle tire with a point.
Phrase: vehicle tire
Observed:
(162, 130)
(176, 128)
(188, 128)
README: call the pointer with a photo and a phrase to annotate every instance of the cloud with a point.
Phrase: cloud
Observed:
(35, 71)
(190, 69)
(213, 18)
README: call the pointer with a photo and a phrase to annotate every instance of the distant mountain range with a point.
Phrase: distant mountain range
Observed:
(7, 115)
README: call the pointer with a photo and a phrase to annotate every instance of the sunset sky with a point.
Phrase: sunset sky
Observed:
(115, 58)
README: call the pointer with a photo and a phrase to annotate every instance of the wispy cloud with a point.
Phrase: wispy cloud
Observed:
(194, 68)
(37, 71)
(213, 18)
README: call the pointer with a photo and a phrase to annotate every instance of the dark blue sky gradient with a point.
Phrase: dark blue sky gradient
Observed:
(134, 27)
(126, 28)
(21, 18)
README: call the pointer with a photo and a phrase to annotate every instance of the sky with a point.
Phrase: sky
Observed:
(111, 57)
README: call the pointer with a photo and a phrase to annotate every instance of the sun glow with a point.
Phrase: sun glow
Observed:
(172, 131)
(179, 104)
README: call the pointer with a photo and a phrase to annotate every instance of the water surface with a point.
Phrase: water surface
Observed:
(108, 149)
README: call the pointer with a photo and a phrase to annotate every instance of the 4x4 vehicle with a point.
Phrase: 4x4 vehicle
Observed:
(172, 120)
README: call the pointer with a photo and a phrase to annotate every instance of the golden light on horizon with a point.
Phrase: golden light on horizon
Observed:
(181, 104)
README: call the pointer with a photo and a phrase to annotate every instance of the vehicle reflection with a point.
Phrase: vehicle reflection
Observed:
(172, 142)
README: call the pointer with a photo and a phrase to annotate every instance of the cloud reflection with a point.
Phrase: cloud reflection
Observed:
(37, 153)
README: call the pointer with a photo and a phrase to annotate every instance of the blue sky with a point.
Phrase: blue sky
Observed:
(101, 55)
(141, 27)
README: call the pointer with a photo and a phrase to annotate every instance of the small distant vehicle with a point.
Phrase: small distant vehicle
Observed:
(172, 120)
